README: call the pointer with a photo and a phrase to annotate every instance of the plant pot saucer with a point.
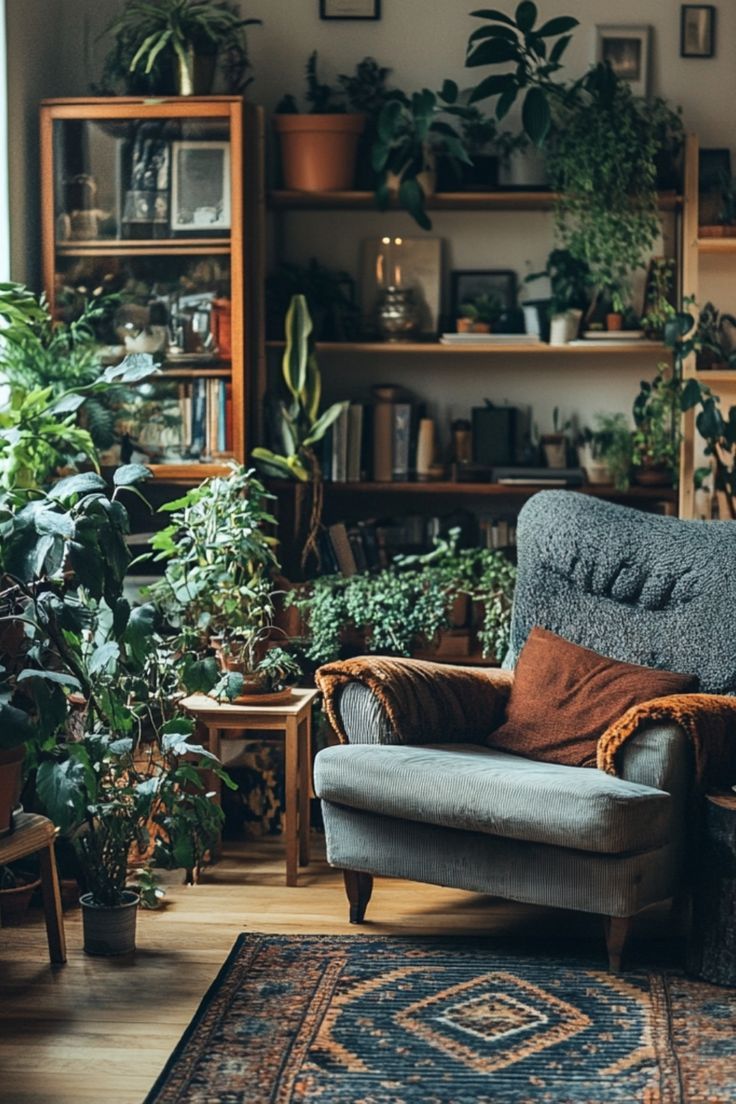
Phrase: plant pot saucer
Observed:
(280, 697)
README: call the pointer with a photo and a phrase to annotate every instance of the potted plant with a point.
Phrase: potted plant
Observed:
(570, 282)
(319, 148)
(479, 314)
(487, 147)
(299, 424)
(725, 225)
(172, 46)
(658, 306)
(366, 92)
(217, 591)
(601, 142)
(554, 445)
(411, 133)
(330, 295)
(656, 439)
(17, 886)
(605, 451)
(410, 604)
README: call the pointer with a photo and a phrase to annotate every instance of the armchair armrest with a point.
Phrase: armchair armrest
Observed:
(381, 700)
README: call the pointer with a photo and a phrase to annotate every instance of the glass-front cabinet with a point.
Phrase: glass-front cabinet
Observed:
(143, 227)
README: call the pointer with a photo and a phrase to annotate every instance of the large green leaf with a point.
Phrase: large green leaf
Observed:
(103, 657)
(561, 24)
(63, 678)
(60, 786)
(526, 15)
(535, 115)
(691, 394)
(82, 483)
(139, 632)
(128, 474)
(492, 13)
(492, 51)
(298, 328)
(411, 197)
(324, 422)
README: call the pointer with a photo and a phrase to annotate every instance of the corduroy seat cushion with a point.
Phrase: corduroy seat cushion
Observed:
(483, 790)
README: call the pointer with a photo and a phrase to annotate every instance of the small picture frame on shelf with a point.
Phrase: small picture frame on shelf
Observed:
(626, 49)
(200, 187)
(697, 31)
(350, 9)
(467, 285)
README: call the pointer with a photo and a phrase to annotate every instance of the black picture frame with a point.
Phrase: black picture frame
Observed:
(713, 166)
(697, 41)
(467, 283)
(332, 9)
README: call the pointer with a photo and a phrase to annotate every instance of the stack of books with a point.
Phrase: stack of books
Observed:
(372, 441)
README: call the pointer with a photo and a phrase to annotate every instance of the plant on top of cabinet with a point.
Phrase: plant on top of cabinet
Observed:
(319, 147)
(172, 46)
(411, 133)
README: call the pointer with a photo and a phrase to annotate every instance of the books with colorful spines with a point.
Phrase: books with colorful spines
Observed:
(342, 548)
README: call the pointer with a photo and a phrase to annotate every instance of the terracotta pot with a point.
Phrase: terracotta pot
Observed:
(614, 321)
(318, 152)
(14, 902)
(464, 325)
(481, 327)
(11, 776)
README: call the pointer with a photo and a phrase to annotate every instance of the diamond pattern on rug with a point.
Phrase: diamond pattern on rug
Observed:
(361, 1020)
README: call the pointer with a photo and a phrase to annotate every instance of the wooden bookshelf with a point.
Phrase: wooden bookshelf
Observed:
(595, 349)
(442, 201)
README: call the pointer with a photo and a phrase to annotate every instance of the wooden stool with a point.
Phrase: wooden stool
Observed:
(293, 719)
(33, 834)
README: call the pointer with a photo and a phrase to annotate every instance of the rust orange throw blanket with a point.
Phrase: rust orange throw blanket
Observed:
(709, 721)
(424, 702)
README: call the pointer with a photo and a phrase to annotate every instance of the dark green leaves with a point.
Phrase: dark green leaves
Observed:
(557, 26)
(492, 13)
(493, 51)
(411, 196)
(492, 86)
(15, 726)
(526, 16)
(691, 395)
(129, 474)
(79, 484)
(535, 115)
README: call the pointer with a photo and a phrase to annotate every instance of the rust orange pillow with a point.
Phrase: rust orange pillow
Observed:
(564, 697)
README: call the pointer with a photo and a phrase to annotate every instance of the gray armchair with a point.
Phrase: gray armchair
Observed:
(450, 810)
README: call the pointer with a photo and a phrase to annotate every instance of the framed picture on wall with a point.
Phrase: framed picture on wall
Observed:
(626, 49)
(200, 187)
(350, 9)
(697, 31)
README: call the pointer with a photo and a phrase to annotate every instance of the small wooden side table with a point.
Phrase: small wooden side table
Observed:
(712, 948)
(292, 718)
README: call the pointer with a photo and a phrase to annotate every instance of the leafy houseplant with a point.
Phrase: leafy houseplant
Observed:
(318, 149)
(488, 149)
(656, 440)
(410, 133)
(300, 424)
(407, 604)
(570, 285)
(658, 306)
(605, 451)
(172, 46)
(602, 142)
(479, 314)
(217, 587)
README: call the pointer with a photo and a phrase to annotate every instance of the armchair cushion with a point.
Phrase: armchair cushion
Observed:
(480, 789)
(564, 697)
(418, 702)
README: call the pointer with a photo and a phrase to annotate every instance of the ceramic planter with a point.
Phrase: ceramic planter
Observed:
(109, 930)
(11, 776)
(554, 446)
(564, 327)
(318, 152)
(596, 470)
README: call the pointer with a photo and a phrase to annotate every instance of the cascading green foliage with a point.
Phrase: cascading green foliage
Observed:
(410, 601)
(301, 425)
(601, 141)
(218, 582)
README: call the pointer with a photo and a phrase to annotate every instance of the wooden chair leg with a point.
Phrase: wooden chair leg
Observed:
(358, 887)
(52, 905)
(617, 930)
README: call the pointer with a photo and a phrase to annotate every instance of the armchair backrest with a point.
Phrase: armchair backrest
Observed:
(637, 587)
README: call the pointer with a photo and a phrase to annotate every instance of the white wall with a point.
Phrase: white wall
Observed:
(54, 51)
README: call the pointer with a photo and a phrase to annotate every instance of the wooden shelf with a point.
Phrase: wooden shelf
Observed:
(144, 247)
(433, 348)
(187, 472)
(716, 245)
(496, 490)
(192, 373)
(282, 200)
(717, 375)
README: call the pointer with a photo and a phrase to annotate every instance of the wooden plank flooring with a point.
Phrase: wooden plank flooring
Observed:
(99, 1030)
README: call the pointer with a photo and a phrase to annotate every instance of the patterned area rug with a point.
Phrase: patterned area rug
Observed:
(346, 1020)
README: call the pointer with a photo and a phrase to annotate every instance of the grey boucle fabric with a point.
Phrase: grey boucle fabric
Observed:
(640, 588)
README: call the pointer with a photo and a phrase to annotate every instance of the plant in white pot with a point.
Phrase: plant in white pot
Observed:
(604, 452)
(570, 286)
(554, 445)
(319, 147)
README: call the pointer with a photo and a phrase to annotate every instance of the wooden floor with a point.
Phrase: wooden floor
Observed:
(99, 1030)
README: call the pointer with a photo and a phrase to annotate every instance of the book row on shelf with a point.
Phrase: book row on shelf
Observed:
(370, 544)
(175, 422)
